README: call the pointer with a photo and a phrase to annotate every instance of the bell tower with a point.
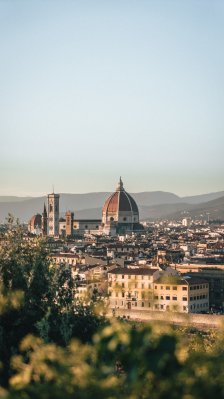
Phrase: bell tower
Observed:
(44, 221)
(69, 217)
(53, 214)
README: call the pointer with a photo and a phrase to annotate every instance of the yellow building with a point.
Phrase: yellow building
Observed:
(131, 287)
(188, 295)
(151, 289)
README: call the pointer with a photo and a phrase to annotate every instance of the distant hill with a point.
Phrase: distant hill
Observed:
(151, 204)
(213, 209)
(12, 198)
(197, 199)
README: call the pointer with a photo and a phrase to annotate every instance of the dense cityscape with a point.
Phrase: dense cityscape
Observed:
(111, 199)
(137, 267)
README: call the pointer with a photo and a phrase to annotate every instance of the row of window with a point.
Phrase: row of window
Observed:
(162, 297)
(197, 287)
(167, 298)
(135, 277)
(199, 306)
(168, 287)
(137, 285)
(194, 298)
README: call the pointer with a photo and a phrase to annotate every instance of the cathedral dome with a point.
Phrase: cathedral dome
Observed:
(120, 207)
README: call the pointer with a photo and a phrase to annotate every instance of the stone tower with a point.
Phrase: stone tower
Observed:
(44, 221)
(53, 214)
(69, 216)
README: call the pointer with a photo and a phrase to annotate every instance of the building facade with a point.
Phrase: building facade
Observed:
(151, 289)
(53, 215)
(120, 213)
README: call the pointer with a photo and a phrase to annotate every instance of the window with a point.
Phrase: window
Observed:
(156, 297)
(161, 287)
(184, 308)
(174, 288)
(122, 294)
(184, 288)
(167, 287)
(155, 287)
(167, 298)
(143, 304)
(122, 285)
(122, 276)
(156, 306)
(161, 306)
(174, 298)
(143, 295)
(184, 298)
(162, 297)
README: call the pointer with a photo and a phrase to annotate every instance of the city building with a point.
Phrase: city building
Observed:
(44, 221)
(188, 295)
(53, 214)
(120, 213)
(151, 289)
(34, 224)
(131, 287)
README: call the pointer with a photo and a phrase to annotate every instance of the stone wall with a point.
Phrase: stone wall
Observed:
(171, 317)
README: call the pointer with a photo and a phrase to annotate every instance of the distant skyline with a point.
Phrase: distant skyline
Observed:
(91, 90)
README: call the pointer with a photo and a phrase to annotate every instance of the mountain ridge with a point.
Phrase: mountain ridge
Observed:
(151, 204)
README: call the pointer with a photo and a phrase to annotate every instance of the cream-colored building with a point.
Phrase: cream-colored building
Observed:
(86, 289)
(188, 295)
(151, 289)
(131, 287)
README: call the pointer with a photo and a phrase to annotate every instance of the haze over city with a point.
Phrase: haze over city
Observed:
(94, 90)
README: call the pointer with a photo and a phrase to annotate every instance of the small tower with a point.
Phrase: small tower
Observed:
(69, 216)
(44, 221)
(53, 214)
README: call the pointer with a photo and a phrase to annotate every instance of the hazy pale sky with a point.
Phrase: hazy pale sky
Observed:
(91, 90)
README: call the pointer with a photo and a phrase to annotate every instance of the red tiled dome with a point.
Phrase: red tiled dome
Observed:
(120, 201)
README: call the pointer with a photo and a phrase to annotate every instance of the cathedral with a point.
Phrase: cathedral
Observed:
(120, 213)
(120, 216)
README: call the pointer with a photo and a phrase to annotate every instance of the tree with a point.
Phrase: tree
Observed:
(48, 309)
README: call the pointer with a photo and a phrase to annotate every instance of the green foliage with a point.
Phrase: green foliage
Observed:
(36, 297)
(40, 359)
(122, 362)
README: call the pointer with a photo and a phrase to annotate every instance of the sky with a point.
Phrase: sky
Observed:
(91, 90)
